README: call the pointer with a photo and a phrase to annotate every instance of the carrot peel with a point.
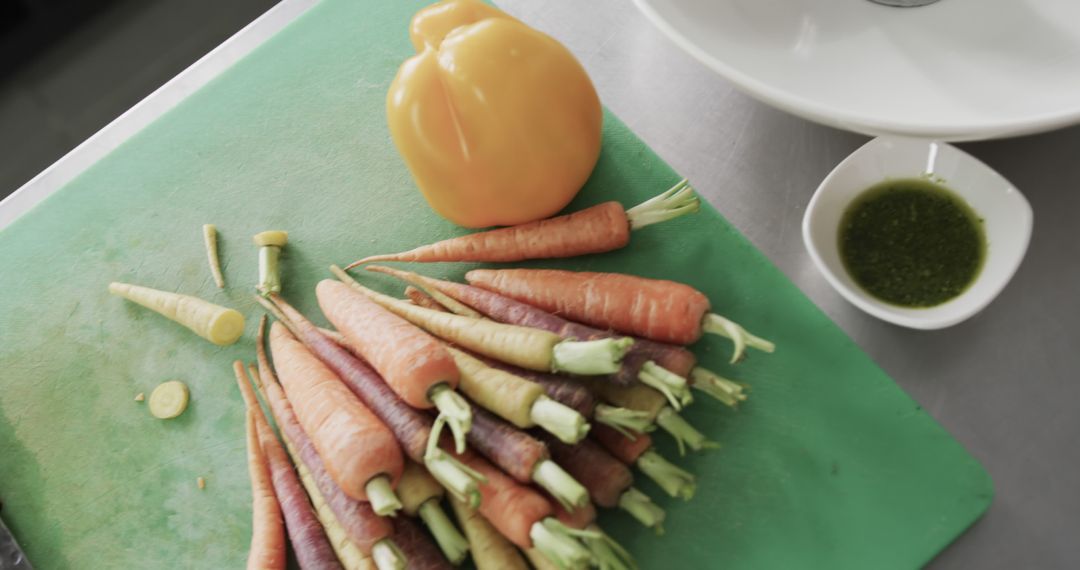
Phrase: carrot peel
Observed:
(560, 484)
(560, 420)
(641, 507)
(684, 433)
(672, 479)
(453, 407)
(210, 241)
(590, 357)
(449, 538)
(559, 543)
(715, 324)
(674, 202)
(671, 385)
(623, 420)
(730, 393)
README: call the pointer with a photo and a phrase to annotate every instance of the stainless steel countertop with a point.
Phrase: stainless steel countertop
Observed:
(999, 382)
(1006, 383)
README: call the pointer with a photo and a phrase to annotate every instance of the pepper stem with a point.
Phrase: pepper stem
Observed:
(715, 324)
(641, 507)
(456, 411)
(558, 543)
(607, 553)
(727, 391)
(560, 484)
(685, 434)
(624, 420)
(457, 478)
(590, 357)
(381, 496)
(673, 386)
(672, 203)
(675, 481)
(449, 538)
(561, 421)
(387, 555)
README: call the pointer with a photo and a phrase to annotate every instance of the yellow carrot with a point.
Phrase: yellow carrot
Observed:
(420, 496)
(217, 324)
(490, 550)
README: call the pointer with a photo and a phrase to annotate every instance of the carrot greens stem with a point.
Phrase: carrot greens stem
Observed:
(453, 407)
(671, 385)
(607, 553)
(458, 479)
(558, 543)
(676, 201)
(711, 383)
(623, 420)
(270, 244)
(560, 484)
(715, 324)
(641, 507)
(675, 481)
(453, 545)
(685, 434)
(386, 556)
(561, 421)
(591, 357)
(381, 495)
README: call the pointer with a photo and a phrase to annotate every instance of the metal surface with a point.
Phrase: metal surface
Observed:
(1004, 383)
(11, 556)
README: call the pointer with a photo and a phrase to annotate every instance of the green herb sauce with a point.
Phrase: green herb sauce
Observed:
(912, 242)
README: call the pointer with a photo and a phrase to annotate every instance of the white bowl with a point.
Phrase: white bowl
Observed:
(1004, 209)
(953, 70)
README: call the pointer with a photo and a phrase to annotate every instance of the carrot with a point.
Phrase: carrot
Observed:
(517, 400)
(411, 427)
(490, 550)
(359, 523)
(600, 228)
(525, 347)
(654, 404)
(416, 366)
(524, 516)
(422, 299)
(639, 451)
(637, 365)
(360, 453)
(420, 494)
(609, 481)
(267, 532)
(417, 547)
(219, 325)
(210, 241)
(305, 532)
(663, 311)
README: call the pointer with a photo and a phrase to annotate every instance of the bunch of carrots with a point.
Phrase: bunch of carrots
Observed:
(523, 398)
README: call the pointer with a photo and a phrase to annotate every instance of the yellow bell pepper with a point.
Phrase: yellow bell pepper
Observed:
(497, 122)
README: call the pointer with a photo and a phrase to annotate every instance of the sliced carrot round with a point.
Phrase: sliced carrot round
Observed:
(169, 399)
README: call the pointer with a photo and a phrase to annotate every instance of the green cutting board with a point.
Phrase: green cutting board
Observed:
(829, 465)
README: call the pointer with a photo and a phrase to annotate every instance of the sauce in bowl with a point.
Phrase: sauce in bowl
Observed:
(912, 242)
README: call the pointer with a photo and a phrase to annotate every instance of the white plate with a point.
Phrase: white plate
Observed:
(1007, 221)
(954, 70)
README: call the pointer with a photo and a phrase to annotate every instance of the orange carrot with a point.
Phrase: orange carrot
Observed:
(416, 366)
(267, 530)
(422, 299)
(361, 454)
(524, 516)
(664, 311)
(600, 228)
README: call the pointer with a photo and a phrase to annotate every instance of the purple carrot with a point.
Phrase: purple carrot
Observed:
(412, 427)
(421, 552)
